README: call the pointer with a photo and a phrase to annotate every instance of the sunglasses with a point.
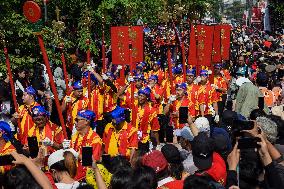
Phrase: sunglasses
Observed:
(77, 120)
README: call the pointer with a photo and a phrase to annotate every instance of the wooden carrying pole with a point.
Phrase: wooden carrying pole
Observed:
(12, 85)
(52, 84)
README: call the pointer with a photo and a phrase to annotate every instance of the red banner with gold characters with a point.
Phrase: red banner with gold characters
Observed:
(216, 52)
(192, 59)
(204, 35)
(120, 37)
(225, 41)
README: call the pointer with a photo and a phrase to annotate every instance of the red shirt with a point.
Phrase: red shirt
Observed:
(26, 121)
(91, 138)
(207, 96)
(146, 121)
(221, 83)
(184, 102)
(50, 130)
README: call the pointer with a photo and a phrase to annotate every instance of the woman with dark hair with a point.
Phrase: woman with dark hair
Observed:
(143, 178)
(62, 165)
(21, 82)
(25, 175)
(121, 178)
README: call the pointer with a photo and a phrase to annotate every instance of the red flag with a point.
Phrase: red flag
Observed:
(205, 44)
(216, 54)
(192, 59)
(120, 44)
(225, 41)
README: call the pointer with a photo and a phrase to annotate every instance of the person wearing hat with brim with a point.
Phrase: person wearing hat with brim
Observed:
(73, 103)
(84, 136)
(207, 98)
(146, 119)
(5, 145)
(24, 113)
(47, 133)
(119, 137)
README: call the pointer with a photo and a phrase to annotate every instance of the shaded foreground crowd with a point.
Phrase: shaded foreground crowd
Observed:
(213, 129)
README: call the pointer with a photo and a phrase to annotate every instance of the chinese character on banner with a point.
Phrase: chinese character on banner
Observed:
(225, 41)
(216, 52)
(256, 15)
(120, 37)
(204, 44)
(192, 59)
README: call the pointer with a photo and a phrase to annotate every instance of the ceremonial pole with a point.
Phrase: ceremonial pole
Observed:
(132, 73)
(89, 73)
(170, 68)
(183, 58)
(12, 85)
(103, 46)
(61, 46)
(52, 84)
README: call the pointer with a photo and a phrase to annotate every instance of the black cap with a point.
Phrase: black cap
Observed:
(171, 153)
(202, 151)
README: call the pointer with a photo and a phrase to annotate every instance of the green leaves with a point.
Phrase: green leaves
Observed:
(83, 20)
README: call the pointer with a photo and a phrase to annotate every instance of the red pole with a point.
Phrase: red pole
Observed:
(64, 68)
(183, 58)
(133, 120)
(12, 85)
(103, 48)
(52, 84)
(89, 74)
(170, 69)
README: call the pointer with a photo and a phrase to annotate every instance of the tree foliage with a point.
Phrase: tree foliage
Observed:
(83, 20)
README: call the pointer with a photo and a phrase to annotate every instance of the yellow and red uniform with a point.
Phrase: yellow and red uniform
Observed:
(50, 130)
(207, 96)
(227, 74)
(184, 102)
(126, 101)
(161, 76)
(110, 98)
(220, 82)
(120, 142)
(26, 121)
(157, 102)
(74, 107)
(92, 139)
(146, 121)
(178, 79)
(6, 150)
(192, 91)
(97, 102)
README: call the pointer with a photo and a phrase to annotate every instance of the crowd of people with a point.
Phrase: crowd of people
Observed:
(213, 129)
